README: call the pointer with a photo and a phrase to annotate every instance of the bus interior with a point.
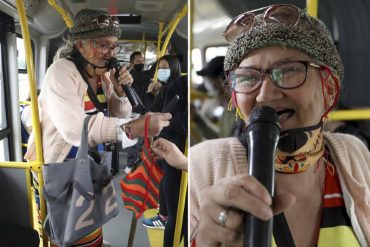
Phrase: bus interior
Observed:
(155, 28)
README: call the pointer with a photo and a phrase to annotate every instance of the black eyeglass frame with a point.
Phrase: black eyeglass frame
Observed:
(98, 45)
(268, 71)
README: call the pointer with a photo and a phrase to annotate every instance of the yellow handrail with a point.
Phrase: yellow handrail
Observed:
(34, 107)
(353, 114)
(312, 7)
(171, 28)
(62, 12)
(137, 41)
(181, 204)
(160, 35)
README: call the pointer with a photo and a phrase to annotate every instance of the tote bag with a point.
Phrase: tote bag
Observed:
(140, 186)
(79, 195)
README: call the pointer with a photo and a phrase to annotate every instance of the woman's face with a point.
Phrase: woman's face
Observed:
(297, 108)
(98, 51)
(163, 64)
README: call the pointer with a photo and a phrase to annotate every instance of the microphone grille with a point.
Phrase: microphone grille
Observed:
(263, 114)
(112, 63)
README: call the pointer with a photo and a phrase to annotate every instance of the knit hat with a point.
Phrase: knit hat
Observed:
(86, 26)
(309, 35)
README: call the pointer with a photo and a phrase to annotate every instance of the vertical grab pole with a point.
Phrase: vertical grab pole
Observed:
(312, 7)
(34, 106)
(181, 204)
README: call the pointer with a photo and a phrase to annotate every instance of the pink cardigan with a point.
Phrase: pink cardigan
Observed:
(61, 109)
(219, 158)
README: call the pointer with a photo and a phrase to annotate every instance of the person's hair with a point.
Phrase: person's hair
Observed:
(174, 65)
(66, 50)
(134, 54)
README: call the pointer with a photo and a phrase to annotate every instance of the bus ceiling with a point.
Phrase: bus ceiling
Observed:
(45, 19)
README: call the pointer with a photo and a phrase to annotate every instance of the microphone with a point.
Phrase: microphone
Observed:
(129, 91)
(262, 136)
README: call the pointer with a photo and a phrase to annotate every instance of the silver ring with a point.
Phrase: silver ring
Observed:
(222, 217)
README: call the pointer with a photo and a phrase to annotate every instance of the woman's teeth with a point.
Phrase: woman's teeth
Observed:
(285, 114)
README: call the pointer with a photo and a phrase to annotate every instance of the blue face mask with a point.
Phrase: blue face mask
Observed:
(164, 74)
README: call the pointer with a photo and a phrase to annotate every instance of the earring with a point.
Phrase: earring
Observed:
(233, 105)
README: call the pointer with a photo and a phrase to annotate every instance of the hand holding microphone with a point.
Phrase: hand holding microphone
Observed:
(122, 74)
(223, 205)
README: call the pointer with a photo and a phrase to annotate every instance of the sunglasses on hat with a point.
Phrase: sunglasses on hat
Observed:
(105, 21)
(281, 13)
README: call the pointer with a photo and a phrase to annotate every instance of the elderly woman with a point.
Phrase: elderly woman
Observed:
(282, 58)
(80, 83)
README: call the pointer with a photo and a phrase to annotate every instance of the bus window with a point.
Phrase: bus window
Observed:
(24, 88)
(4, 154)
(149, 49)
(215, 51)
(196, 57)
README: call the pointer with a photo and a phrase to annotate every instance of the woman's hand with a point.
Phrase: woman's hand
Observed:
(169, 152)
(157, 122)
(124, 78)
(154, 87)
(222, 208)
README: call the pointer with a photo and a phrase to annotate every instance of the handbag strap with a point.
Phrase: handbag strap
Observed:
(90, 92)
(146, 132)
(82, 152)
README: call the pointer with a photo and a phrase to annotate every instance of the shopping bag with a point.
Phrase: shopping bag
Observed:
(79, 195)
(140, 186)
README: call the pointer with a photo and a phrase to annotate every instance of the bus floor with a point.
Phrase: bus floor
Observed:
(117, 230)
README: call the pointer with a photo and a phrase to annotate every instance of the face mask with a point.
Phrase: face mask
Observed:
(164, 74)
(298, 149)
(138, 67)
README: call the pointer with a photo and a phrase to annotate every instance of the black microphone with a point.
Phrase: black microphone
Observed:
(262, 136)
(129, 91)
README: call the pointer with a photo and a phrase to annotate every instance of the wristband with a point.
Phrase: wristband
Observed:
(127, 129)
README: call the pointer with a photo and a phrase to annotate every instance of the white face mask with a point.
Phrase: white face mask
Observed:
(164, 74)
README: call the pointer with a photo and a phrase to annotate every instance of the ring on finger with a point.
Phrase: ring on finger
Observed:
(222, 217)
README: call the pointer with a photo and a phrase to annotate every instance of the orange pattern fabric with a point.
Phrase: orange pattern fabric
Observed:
(140, 186)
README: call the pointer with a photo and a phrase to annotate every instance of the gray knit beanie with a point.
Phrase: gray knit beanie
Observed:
(86, 28)
(309, 35)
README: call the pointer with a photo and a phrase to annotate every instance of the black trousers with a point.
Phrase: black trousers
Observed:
(18, 236)
(171, 190)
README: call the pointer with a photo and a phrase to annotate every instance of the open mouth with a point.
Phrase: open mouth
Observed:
(285, 114)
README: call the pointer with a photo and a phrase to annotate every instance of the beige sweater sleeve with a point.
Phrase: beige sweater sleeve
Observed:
(61, 102)
(209, 161)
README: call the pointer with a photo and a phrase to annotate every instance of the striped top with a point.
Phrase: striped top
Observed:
(90, 109)
(335, 228)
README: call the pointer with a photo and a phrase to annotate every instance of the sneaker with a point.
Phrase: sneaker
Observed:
(127, 169)
(155, 222)
(106, 244)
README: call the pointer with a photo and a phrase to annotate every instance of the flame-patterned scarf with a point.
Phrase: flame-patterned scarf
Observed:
(299, 148)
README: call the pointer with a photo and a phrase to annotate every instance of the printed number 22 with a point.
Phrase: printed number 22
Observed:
(82, 222)
(108, 206)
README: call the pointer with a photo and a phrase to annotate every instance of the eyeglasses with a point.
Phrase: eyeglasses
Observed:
(105, 48)
(287, 75)
(281, 13)
(105, 20)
